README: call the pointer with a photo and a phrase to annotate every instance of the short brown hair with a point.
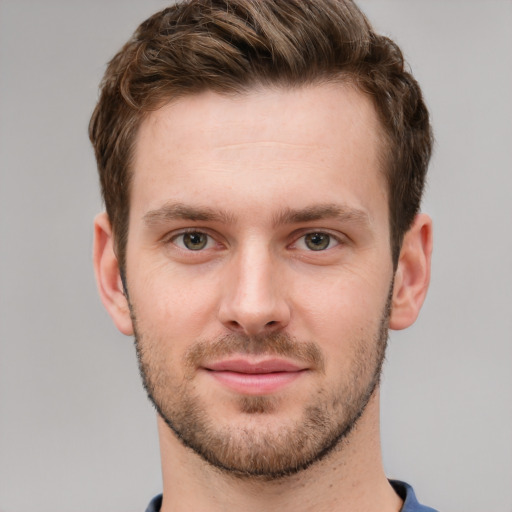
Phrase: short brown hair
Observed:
(229, 46)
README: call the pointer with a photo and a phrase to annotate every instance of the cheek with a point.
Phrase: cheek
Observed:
(342, 311)
(175, 306)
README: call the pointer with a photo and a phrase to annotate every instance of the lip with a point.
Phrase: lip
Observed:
(255, 377)
(259, 367)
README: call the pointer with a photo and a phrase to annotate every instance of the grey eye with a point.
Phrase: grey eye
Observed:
(317, 241)
(195, 241)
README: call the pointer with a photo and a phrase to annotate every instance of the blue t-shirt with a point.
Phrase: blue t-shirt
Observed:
(403, 490)
(406, 492)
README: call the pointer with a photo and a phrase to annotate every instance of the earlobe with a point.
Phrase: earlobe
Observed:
(412, 276)
(108, 277)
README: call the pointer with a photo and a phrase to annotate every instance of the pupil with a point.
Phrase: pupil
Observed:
(195, 241)
(317, 241)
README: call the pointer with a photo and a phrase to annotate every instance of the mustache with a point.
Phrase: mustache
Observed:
(272, 344)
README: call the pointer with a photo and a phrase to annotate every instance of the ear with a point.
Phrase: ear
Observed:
(412, 276)
(108, 277)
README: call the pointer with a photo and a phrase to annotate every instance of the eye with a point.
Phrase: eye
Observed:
(316, 241)
(193, 241)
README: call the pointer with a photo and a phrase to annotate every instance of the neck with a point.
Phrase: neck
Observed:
(350, 479)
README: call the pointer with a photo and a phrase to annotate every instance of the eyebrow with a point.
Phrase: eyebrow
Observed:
(180, 211)
(320, 212)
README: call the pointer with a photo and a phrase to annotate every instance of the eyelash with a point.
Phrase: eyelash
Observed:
(173, 239)
(333, 240)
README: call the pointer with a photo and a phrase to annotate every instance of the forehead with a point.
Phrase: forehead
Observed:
(306, 109)
(272, 140)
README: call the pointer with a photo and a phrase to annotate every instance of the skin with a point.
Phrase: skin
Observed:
(259, 162)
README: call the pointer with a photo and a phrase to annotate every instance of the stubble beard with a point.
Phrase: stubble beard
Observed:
(250, 450)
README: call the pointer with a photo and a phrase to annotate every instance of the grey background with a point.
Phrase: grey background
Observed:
(76, 431)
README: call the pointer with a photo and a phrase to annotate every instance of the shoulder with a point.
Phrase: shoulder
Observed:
(406, 492)
(155, 504)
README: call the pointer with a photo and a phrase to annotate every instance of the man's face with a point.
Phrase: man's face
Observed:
(259, 271)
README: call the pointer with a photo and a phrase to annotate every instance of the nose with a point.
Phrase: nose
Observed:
(253, 296)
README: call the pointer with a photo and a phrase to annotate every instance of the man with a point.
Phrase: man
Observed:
(262, 165)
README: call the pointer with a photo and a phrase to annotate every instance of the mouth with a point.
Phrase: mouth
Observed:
(250, 377)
